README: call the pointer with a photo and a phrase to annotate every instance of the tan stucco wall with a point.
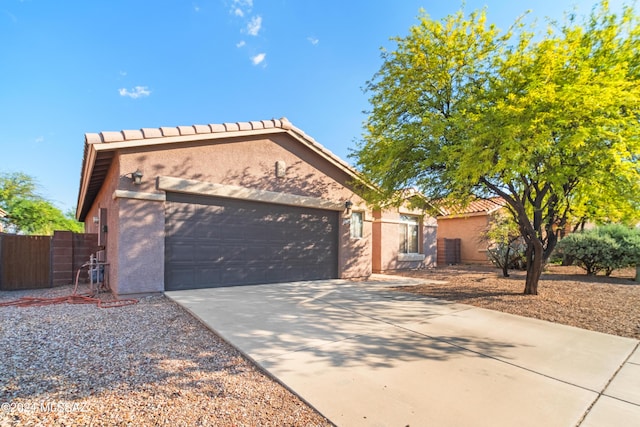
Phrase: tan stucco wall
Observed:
(105, 199)
(142, 234)
(136, 244)
(387, 241)
(469, 230)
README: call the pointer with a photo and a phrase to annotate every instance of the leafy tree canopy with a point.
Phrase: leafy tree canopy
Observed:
(28, 212)
(550, 122)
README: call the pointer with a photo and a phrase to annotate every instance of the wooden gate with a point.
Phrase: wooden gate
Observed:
(25, 262)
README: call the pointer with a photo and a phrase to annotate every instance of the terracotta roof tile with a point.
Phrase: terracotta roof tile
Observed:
(202, 128)
(92, 138)
(132, 134)
(186, 130)
(474, 207)
(230, 127)
(286, 124)
(151, 132)
(169, 131)
(112, 136)
(215, 128)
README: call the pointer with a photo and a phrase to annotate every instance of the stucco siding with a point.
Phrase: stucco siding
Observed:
(386, 255)
(469, 230)
(141, 232)
(105, 200)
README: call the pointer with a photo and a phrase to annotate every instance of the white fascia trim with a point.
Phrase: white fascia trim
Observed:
(190, 186)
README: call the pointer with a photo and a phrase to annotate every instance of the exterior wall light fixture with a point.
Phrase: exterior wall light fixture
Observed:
(348, 205)
(137, 177)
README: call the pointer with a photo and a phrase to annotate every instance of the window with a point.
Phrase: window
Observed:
(409, 234)
(356, 225)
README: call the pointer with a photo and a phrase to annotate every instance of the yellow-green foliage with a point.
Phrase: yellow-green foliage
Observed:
(550, 122)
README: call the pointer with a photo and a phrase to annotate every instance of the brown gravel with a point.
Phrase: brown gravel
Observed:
(142, 365)
(565, 295)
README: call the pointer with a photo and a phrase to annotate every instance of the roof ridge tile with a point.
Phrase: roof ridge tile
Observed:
(112, 136)
(202, 128)
(186, 130)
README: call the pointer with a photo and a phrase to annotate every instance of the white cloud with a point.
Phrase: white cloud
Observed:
(241, 7)
(314, 41)
(136, 92)
(254, 26)
(240, 44)
(196, 8)
(259, 58)
(123, 73)
(40, 139)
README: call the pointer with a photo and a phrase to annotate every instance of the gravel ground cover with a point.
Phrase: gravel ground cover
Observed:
(146, 364)
(153, 364)
(565, 295)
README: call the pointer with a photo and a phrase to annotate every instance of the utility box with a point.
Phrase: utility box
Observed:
(452, 251)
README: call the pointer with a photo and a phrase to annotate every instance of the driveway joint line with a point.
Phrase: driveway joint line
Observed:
(604, 389)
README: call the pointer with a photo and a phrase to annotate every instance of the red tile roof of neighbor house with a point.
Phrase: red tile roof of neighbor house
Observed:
(475, 207)
(99, 148)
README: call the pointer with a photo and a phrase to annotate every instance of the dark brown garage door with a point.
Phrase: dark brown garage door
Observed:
(223, 242)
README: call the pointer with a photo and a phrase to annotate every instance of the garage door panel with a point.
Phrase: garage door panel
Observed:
(221, 242)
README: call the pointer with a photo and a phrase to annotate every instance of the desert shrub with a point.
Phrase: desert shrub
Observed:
(605, 248)
(505, 247)
(509, 255)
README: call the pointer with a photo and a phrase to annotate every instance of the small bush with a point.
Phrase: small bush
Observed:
(514, 258)
(605, 248)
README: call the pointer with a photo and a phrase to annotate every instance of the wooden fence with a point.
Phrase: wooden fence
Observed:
(32, 262)
(25, 262)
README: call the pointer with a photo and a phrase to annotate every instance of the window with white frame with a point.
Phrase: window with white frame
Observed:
(409, 234)
(356, 225)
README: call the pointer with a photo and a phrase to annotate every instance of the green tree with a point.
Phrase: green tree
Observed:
(30, 213)
(549, 122)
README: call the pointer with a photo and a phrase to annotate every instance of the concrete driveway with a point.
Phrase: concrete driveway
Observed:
(364, 355)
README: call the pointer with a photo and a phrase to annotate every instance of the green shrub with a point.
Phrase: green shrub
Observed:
(605, 248)
(512, 254)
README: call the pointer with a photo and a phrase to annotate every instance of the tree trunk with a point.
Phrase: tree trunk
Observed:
(534, 266)
(505, 264)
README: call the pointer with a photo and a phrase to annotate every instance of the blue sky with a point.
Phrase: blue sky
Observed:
(72, 67)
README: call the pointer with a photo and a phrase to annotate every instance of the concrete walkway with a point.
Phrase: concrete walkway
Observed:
(366, 356)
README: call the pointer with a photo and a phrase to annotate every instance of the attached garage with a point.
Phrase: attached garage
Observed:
(212, 241)
(229, 204)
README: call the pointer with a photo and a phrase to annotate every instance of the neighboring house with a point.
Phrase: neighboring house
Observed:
(3, 214)
(460, 231)
(235, 204)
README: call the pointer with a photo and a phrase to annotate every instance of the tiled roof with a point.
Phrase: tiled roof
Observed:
(149, 133)
(99, 147)
(476, 206)
(145, 135)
